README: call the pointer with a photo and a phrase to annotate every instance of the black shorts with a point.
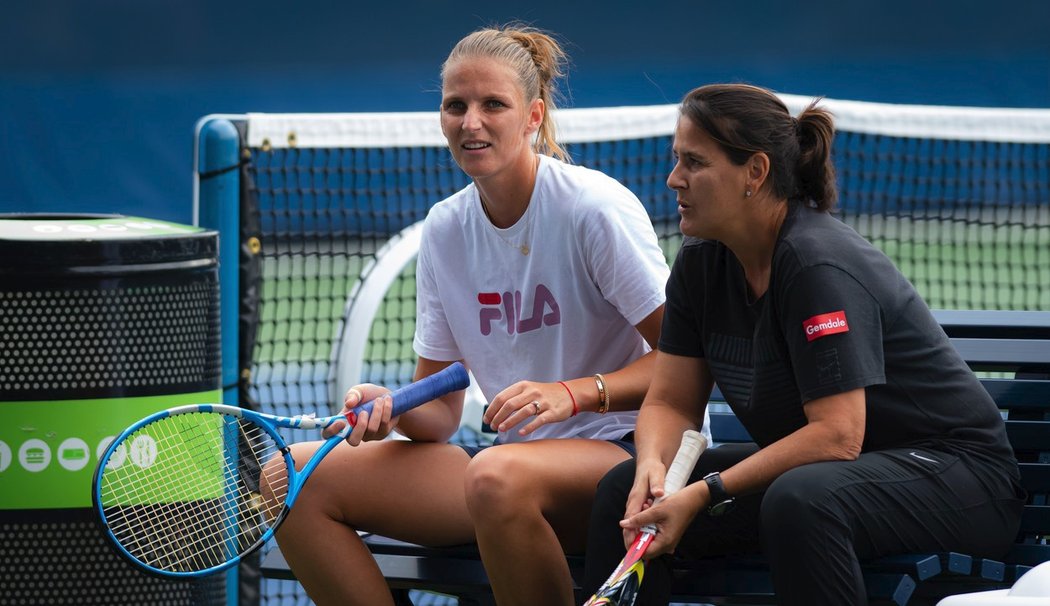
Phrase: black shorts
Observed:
(626, 443)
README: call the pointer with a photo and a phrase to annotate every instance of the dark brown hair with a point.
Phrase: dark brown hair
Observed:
(746, 119)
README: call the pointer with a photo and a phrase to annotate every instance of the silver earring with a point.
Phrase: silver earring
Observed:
(747, 193)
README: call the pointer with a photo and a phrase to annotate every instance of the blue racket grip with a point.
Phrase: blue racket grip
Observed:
(447, 380)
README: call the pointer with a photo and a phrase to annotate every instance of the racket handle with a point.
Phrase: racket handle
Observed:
(693, 443)
(447, 380)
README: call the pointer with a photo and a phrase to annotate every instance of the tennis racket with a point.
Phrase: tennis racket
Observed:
(621, 588)
(191, 490)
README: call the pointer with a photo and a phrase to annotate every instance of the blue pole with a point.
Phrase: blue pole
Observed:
(219, 209)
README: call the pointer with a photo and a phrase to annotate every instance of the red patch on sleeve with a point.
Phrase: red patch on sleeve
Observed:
(823, 325)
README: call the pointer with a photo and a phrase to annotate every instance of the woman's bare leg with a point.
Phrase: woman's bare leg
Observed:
(529, 502)
(407, 490)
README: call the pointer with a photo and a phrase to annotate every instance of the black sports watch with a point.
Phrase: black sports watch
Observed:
(721, 502)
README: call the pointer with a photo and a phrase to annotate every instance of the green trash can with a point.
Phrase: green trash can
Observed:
(104, 319)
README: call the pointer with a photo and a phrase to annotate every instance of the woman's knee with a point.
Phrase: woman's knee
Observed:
(795, 498)
(799, 502)
(496, 480)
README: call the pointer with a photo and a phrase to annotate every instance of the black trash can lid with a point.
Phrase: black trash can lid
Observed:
(85, 243)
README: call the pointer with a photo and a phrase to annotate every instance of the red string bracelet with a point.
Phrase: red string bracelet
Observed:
(575, 409)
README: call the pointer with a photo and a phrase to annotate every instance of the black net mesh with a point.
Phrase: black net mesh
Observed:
(967, 221)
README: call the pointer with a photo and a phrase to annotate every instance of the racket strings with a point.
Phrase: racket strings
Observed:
(148, 526)
(191, 495)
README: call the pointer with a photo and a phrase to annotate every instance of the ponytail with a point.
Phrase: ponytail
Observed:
(815, 172)
(548, 57)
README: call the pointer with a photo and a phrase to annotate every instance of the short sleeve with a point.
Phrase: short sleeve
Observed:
(834, 332)
(433, 338)
(680, 332)
(623, 254)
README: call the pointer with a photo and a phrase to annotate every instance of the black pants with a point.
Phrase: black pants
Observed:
(817, 522)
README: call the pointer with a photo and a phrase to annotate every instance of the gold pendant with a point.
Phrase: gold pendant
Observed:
(524, 250)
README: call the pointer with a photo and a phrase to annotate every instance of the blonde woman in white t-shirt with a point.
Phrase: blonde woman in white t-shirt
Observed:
(547, 281)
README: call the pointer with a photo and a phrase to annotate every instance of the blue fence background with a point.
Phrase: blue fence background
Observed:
(98, 99)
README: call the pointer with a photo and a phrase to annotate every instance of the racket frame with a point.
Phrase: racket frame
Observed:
(454, 377)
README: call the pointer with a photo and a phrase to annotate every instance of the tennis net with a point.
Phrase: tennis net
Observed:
(959, 198)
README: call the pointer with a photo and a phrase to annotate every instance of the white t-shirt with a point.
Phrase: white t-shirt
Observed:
(566, 309)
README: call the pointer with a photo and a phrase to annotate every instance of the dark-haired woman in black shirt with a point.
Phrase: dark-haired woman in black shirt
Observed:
(872, 437)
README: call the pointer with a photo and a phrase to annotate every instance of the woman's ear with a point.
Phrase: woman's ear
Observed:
(757, 171)
(536, 110)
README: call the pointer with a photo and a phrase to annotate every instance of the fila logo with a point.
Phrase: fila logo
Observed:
(545, 311)
(825, 324)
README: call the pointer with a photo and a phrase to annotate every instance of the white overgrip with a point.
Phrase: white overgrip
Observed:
(693, 444)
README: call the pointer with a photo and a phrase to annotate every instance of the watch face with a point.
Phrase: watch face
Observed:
(720, 508)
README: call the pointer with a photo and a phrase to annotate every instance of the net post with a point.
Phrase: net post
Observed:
(217, 188)
(219, 209)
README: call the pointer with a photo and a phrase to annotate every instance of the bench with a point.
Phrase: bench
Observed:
(1013, 347)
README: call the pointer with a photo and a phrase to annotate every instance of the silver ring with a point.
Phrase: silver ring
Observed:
(537, 405)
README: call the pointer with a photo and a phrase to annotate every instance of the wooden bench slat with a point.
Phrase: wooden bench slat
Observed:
(1035, 518)
(387, 546)
(444, 575)
(1035, 478)
(1029, 555)
(1028, 435)
(993, 324)
(1003, 354)
(1019, 394)
(753, 585)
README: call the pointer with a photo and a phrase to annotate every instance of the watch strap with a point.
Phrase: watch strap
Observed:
(717, 489)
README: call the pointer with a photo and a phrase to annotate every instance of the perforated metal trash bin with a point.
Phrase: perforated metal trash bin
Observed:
(103, 320)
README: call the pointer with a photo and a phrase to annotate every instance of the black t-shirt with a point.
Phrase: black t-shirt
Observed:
(837, 316)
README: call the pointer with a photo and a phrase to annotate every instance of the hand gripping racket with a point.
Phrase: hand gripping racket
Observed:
(191, 490)
(621, 588)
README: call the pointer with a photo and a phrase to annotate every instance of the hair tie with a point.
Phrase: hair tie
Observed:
(575, 408)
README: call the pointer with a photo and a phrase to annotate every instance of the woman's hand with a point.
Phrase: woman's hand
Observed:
(375, 426)
(537, 403)
(648, 477)
(671, 517)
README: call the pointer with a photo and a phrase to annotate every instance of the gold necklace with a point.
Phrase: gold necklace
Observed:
(522, 248)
